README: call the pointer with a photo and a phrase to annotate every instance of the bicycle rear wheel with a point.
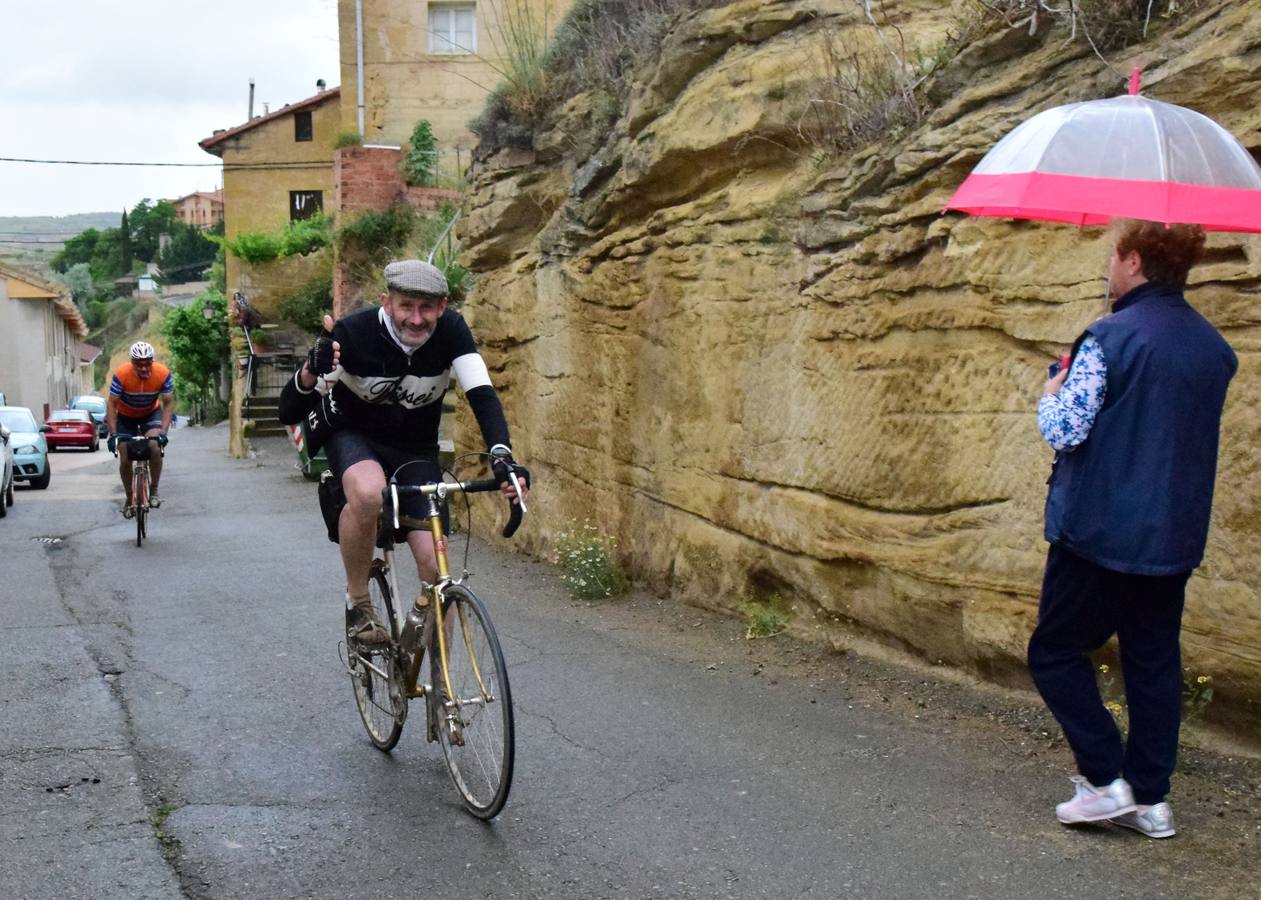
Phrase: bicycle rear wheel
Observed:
(140, 499)
(376, 675)
(474, 712)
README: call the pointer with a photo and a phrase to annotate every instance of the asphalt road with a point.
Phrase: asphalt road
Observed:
(176, 723)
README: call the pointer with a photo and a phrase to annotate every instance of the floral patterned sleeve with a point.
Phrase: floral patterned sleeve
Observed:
(1065, 418)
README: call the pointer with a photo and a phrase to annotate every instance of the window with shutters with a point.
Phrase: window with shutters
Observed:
(452, 28)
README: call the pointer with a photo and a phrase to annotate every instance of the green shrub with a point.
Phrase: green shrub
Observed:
(307, 306)
(254, 247)
(378, 234)
(305, 236)
(588, 563)
(421, 161)
(349, 139)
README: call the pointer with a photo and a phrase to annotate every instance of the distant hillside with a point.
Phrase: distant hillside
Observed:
(30, 241)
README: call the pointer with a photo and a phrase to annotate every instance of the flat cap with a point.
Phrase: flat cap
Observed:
(411, 276)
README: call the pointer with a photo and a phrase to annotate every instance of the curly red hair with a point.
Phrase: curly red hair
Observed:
(1168, 251)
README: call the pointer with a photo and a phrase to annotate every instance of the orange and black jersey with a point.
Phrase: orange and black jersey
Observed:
(136, 397)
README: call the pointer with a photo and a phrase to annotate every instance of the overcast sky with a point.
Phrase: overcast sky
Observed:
(143, 81)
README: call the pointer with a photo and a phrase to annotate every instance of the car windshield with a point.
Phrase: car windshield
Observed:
(70, 415)
(94, 404)
(17, 420)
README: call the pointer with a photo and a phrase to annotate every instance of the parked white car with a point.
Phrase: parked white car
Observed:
(6, 471)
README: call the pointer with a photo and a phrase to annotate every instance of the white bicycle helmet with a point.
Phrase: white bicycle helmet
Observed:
(141, 350)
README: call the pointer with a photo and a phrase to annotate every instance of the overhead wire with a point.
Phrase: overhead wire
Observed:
(227, 167)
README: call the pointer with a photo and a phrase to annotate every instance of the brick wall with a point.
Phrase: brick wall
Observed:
(370, 178)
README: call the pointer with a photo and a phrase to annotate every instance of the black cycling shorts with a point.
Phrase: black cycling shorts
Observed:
(345, 448)
(130, 427)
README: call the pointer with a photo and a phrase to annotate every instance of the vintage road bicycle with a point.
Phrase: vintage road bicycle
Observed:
(138, 451)
(468, 703)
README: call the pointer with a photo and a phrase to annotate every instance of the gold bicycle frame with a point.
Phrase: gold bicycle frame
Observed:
(434, 494)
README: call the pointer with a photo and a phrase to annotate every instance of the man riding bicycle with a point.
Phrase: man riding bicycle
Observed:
(141, 401)
(385, 371)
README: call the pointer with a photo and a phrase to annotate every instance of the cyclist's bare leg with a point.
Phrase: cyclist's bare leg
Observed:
(155, 459)
(357, 527)
(124, 471)
(421, 543)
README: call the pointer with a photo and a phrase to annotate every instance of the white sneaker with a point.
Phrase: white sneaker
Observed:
(1094, 804)
(1154, 821)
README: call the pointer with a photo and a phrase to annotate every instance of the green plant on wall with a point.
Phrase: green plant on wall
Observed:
(297, 239)
(420, 165)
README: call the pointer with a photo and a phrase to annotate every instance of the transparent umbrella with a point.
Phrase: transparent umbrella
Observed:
(1127, 156)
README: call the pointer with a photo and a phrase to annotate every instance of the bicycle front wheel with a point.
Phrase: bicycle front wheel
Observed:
(474, 708)
(140, 499)
(375, 673)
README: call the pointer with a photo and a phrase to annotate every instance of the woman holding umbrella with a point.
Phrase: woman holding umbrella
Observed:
(1134, 421)
(1135, 424)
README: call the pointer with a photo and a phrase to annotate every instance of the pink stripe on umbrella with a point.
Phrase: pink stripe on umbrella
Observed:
(1084, 200)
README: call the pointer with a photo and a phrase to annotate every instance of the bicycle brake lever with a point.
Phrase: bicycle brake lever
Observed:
(394, 502)
(516, 483)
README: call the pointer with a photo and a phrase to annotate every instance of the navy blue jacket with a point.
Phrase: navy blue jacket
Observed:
(1135, 496)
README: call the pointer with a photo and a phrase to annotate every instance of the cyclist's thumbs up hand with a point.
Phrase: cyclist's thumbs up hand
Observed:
(326, 354)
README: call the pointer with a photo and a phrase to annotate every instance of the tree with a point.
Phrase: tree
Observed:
(198, 346)
(107, 256)
(77, 249)
(148, 221)
(188, 254)
(125, 244)
(78, 279)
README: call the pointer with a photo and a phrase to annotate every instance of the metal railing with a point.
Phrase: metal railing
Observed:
(265, 371)
(447, 235)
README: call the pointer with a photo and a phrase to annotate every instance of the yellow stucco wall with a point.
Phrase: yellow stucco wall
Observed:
(258, 199)
(404, 82)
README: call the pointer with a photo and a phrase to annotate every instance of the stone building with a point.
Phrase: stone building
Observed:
(201, 209)
(40, 359)
(277, 168)
(429, 60)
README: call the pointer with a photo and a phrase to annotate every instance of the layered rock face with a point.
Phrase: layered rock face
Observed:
(771, 370)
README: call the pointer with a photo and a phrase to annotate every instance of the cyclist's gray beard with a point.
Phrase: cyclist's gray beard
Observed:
(398, 338)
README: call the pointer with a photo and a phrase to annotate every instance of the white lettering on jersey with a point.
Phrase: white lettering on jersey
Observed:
(408, 391)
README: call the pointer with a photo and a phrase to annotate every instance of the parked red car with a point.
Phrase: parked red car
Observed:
(72, 428)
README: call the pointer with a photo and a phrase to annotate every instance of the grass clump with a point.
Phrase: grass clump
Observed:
(764, 618)
(595, 48)
(1104, 24)
(588, 563)
(348, 139)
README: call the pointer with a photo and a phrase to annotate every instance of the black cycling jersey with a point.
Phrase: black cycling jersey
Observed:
(392, 396)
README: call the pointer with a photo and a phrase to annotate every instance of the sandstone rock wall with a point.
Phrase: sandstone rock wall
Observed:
(769, 373)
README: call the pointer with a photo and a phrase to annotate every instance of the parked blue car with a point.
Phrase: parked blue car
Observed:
(94, 405)
(30, 450)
